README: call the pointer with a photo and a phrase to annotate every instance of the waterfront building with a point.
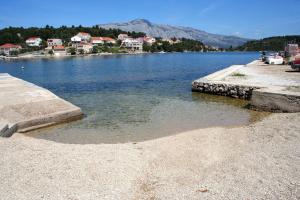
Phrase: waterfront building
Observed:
(59, 50)
(81, 37)
(132, 44)
(34, 41)
(108, 40)
(146, 39)
(97, 40)
(75, 39)
(86, 47)
(149, 40)
(6, 49)
(123, 36)
(54, 42)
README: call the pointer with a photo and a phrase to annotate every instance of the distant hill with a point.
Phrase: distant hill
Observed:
(269, 44)
(167, 31)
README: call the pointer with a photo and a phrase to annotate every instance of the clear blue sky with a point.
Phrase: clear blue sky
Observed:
(251, 19)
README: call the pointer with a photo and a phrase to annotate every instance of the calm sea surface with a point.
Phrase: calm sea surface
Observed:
(134, 97)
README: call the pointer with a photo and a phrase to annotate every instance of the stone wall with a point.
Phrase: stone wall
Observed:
(235, 91)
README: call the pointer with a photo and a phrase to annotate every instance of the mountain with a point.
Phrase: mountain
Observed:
(276, 43)
(167, 31)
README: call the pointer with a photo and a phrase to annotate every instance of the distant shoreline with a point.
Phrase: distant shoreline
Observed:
(64, 56)
(28, 57)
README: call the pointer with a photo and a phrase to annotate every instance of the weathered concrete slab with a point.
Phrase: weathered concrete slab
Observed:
(25, 106)
(270, 87)
(275, 101)
(222, 74)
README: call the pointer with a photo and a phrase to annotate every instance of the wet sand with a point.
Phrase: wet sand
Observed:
(257, 161)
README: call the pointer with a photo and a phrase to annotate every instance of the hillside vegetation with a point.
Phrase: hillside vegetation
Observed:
(269, 44)
(18, 35)
(183, 45)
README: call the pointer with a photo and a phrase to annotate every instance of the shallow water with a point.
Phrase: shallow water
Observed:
(134, 98)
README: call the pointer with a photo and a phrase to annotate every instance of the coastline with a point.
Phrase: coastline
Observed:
(66, 56)
(97, 54)
(260, 161)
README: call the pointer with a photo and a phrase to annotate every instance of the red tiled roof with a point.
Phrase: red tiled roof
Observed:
(97, 38)
(107, 39)
(59, 47)
(81, 44)
(8, 45)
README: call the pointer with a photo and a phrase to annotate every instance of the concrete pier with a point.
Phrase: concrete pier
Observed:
(273, 88)
(25, 106)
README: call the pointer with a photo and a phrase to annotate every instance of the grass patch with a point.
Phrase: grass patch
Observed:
(238, 74)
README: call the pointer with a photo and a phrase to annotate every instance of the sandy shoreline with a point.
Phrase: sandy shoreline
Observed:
(259, 161)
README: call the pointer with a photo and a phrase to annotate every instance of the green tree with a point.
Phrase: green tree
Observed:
(146, 47)
(95, 49)
(72, 50)
(81, 51)
(14, 53)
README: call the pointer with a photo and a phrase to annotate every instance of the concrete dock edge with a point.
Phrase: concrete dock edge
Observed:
(256, 83)
(25, 107)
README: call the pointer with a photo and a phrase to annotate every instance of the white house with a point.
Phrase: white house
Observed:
(122, 36)
(59, 50)
(86, 47)
(97, 40)
(54, 42)
(6, 49)
(149, 40)
(81, 37)
(34, 41)
(75, 39)
(132, 44)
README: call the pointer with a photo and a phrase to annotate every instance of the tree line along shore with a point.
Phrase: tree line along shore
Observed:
(16, 41)
(269, 44)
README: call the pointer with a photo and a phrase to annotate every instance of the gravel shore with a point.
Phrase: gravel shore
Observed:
(259, 161)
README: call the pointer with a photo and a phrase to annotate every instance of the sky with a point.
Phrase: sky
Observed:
(253, 19)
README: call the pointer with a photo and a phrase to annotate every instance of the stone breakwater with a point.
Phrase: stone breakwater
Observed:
(268, 87)
(235, 91)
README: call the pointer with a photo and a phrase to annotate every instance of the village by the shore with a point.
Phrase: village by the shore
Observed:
(259, 160)
(81, 44)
